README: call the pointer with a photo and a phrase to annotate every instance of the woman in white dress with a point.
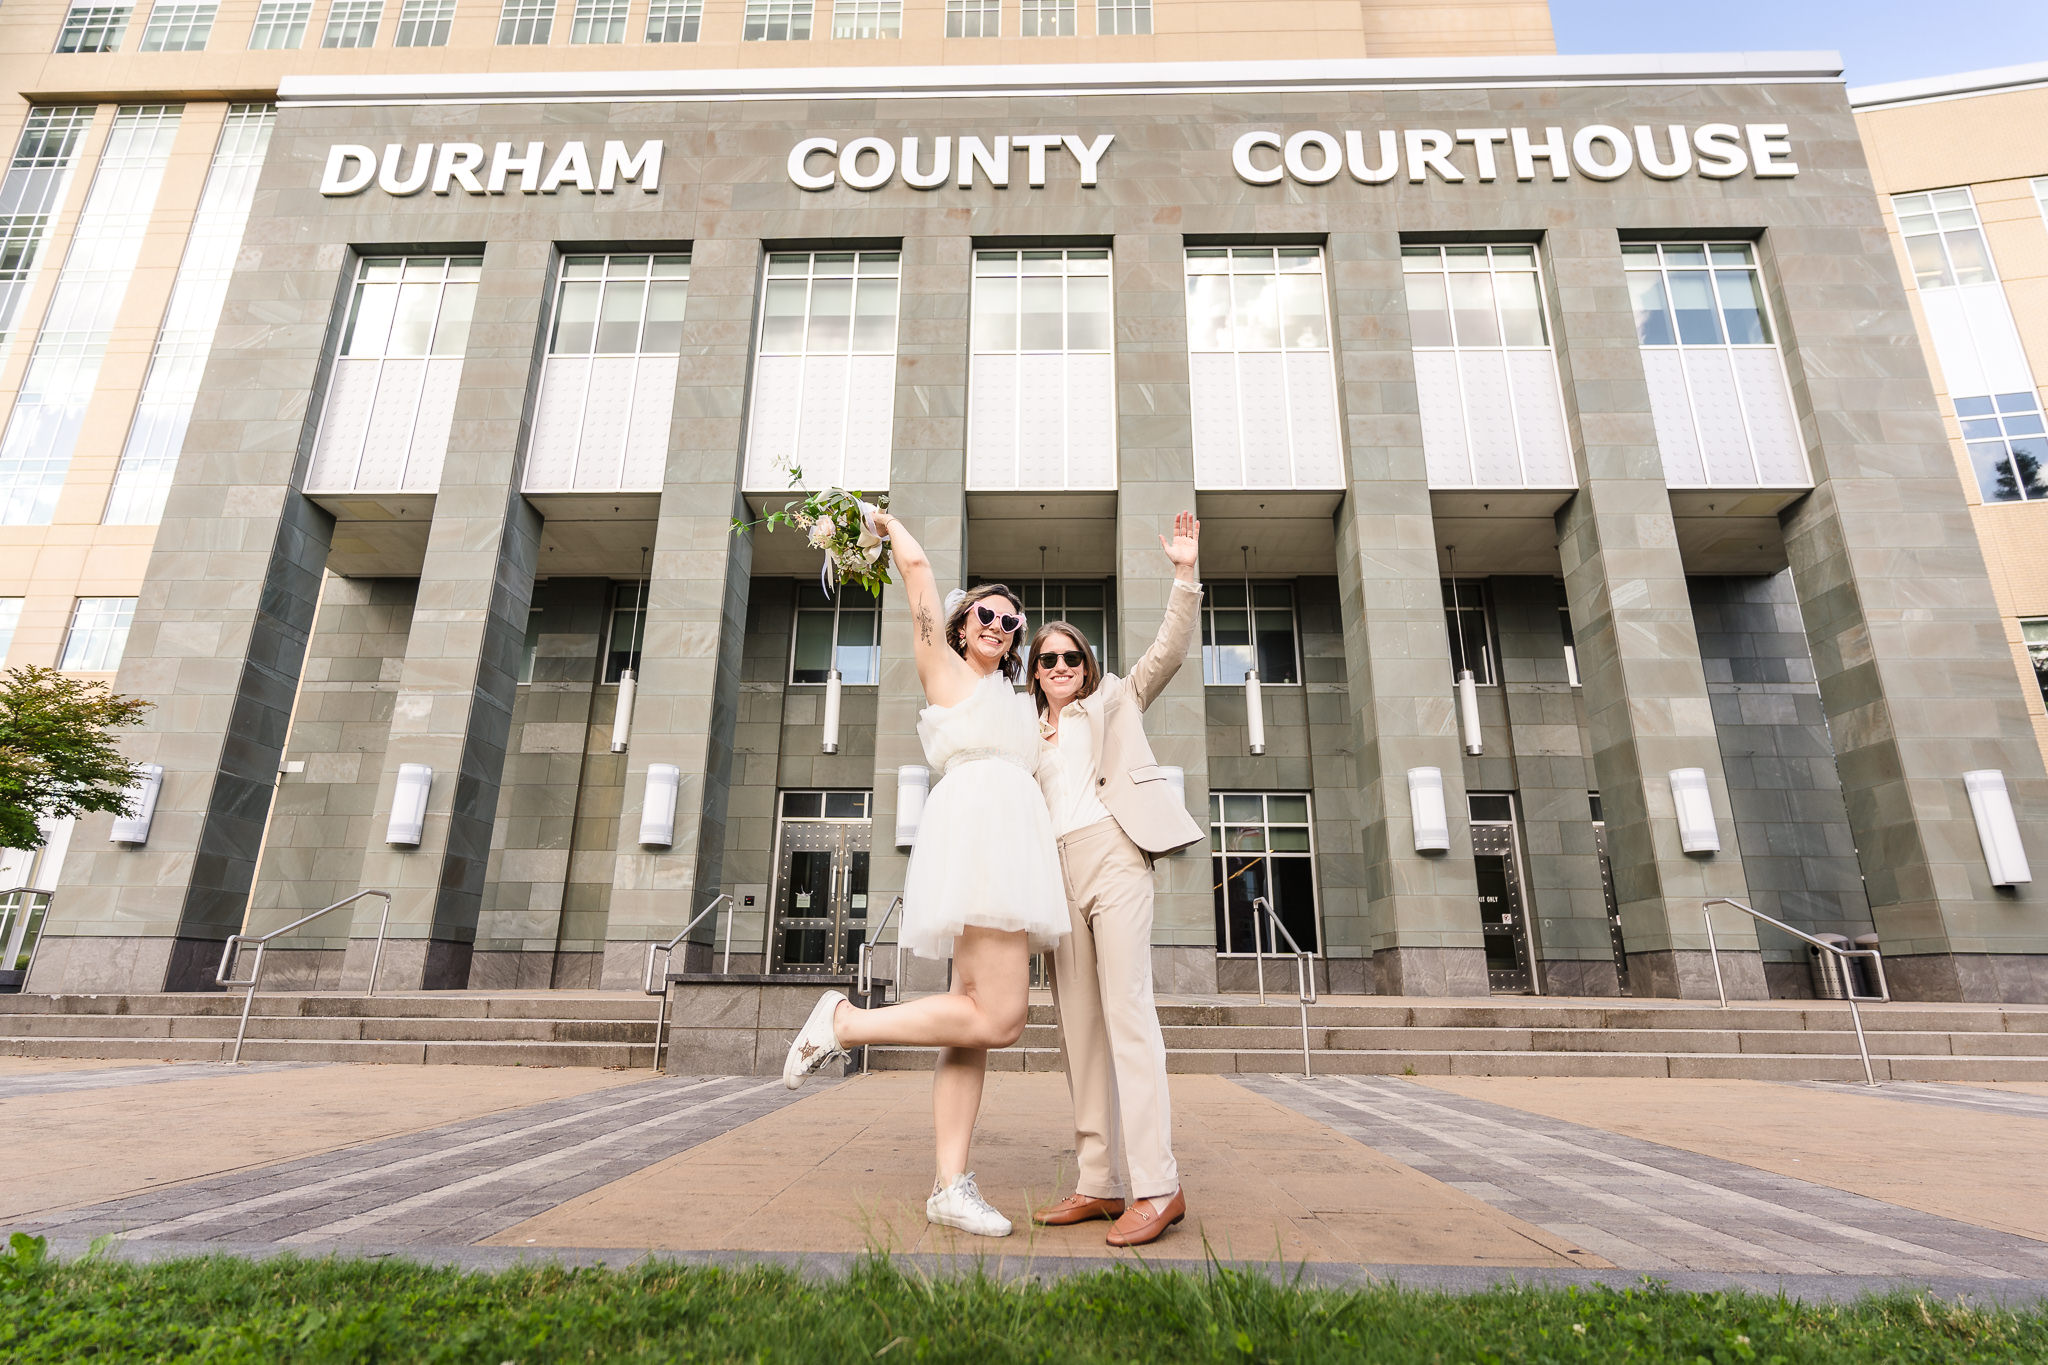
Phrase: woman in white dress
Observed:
(983, 883)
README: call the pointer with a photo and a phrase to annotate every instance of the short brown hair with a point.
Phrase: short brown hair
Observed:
(1091, 667)
(1012, 662)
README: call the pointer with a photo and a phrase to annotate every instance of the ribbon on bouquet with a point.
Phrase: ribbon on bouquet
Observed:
(828, 572)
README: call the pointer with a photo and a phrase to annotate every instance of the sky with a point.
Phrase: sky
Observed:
(1880, 40)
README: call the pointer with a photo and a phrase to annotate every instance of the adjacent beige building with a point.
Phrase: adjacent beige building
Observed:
(1962, 165)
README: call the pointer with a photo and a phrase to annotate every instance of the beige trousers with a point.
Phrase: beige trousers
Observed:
(1109, 1028)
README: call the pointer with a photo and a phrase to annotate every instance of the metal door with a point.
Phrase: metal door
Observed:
(1502, 920)
(821, 897)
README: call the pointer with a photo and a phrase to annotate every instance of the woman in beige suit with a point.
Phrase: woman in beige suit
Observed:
(1114, 811)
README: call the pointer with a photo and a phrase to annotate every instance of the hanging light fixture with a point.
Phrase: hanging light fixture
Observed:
(835, 684)
(1468, 686)
(1254, 701)
(622, 718)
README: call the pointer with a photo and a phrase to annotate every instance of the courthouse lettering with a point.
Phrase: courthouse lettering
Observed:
(1718, 151)
(868, 163)
(445, 166)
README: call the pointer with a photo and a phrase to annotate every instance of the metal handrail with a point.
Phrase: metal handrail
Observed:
(1304, 968)
(1884, 990)
(864, 966)
(666, 952)
(232, 946)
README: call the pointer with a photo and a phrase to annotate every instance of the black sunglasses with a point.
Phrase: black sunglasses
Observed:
(1072, 658)
(1010, 620)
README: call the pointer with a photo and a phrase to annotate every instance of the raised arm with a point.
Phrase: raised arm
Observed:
(1151, 674)
(945, 675)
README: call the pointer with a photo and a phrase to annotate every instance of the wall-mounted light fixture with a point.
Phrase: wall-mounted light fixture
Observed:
(408, 822)
(1694, 805)
(629, 686)
(1468, 685)
(1427, 812)
(834, 685)
(1998, 829)
(913, 783)
(658, 805)
(133, 828)
(1254, 700)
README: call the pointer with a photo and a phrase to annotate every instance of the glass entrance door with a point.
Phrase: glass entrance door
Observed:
(1502, 918)
(821, 897)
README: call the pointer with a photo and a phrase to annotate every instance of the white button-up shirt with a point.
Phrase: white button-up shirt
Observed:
(1078, 806)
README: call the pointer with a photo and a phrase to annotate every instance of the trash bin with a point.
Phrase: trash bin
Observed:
(1866, 970)
(1828, 980)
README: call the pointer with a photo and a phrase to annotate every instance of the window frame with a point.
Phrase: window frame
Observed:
(1219, 857)
(987, 17)
(1138, 12)
(824, 795)
(525, 23)
(798, 611)
(686, 15)
(106, 635)
(282, 18)
(352, 19)
(760, 18)
(976, 349)
(1489, 675)
(635, 611)
(423, 23)
(1209, 609)
(94, 19)
(2037, 650)
(587, 16)
(1033, 14)
(2003, 411)
(866, 19)
(1036, 592)
(1924, 203)
(179, 16)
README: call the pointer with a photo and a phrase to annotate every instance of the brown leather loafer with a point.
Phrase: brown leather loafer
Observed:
(1077, 1208)
(1141, 1225)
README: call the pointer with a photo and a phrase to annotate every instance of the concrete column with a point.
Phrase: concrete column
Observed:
(1645, 688)
(320, 821)
(927, 475)
(219, 634)
(460, 677)
(696, 623)
(1909, 651)
(1422, 909)
(1155, 480)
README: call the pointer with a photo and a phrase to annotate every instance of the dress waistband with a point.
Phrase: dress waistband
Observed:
(966, 756)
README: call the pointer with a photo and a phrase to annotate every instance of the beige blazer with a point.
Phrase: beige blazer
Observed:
(1131, 784)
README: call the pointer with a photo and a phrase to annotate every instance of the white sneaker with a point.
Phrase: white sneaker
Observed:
(960, 1205)
(816, 1043)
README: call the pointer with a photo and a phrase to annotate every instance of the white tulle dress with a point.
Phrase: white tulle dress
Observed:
(984, 854)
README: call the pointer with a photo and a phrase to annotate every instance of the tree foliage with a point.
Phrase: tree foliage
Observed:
(57, 752)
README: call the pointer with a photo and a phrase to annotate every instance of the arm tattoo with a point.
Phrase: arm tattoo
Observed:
(924, 624)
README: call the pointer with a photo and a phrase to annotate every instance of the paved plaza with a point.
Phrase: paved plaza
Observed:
(1824, 1189)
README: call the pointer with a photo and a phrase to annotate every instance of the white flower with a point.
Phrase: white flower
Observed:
(822, 531)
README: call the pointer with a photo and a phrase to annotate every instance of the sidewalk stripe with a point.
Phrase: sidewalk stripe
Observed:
(113, 1077)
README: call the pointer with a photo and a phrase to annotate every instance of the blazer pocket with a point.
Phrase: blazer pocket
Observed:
(1149, 772)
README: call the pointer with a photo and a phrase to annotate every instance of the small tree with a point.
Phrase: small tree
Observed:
(57, 755)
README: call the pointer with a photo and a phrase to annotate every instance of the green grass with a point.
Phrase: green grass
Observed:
(224, 1309)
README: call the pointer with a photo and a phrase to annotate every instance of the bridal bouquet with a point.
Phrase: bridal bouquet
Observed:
(842, 524)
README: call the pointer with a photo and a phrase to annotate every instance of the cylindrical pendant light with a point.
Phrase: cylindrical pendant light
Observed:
(1254, 700)
(1468, 686)
(832, 691)
(622, 718)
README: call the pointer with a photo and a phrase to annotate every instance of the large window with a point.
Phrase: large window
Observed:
(424, 23)
(1485, 376)
(2034, 632)
(93, 28)
(674, 21)
(1123, 16)
(10, 618)
(391, 398)
(608, 391)
(774, 21)
(825, 371)
(1260, 844)
(867, 18)
(599, 21)
(98, 634)
(1717, 383)
(843, 632)
(1045, 18)
(2007, 448)
(1235, 632)
(974, 18)
(178, 27)
(43, 430)
(352, 23)
(1041, 406)
(1264, 379)
(1084, 605)
(1470, 625)
(1944, 238)
(526, 23)
(280, 24)
(171, 386)
(36, 176)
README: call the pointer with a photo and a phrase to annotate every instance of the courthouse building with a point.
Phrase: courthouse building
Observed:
(384, 377)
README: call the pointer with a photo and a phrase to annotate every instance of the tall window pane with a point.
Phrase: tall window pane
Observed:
(1718, 390)
(626, 629)
(599, 21)
(424, 23)
(42, 431)
(1238, 629)
(608, 391)
(1485, 375)
(10, 618)
(1470, 624)
(352, 23)
(526, 22)
(843, 631)
(674, 21)
(1046, 18)
(1262, 846)
(1123, 16)
(93, 28)
(2034, 632)
(280, 24)
(774, 21)
(1041, 399)
(29, 199)
(172, 384)
(98, 634)
(391, 395)
(2008, 450)
(825, 371)
(178, 27)
(1264, 386)
(867, 18)
(974, 18)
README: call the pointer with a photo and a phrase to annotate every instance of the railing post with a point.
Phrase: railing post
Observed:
(377, 957)
(1714, 953)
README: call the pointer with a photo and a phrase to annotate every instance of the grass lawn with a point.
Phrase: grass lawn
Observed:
(223, 1309)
